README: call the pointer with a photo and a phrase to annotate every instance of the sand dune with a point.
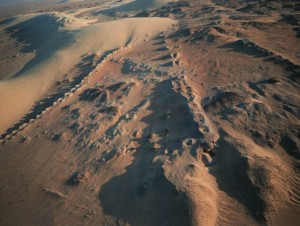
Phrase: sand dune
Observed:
(59, 48)
(186, 116)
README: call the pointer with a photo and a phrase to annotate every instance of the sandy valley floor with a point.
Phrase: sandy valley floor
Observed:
(150, 112)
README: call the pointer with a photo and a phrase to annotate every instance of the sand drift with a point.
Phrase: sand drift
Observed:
(58, 47)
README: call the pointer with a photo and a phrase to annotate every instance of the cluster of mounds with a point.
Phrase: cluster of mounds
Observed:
(260, 7)
(105, 101)
(236, 109)
(132, 67)
(239, 109)
(255, 109)
(159, 122)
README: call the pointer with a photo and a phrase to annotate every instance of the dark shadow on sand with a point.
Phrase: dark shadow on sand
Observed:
(232, 177)
(143, 195)
(41, 35)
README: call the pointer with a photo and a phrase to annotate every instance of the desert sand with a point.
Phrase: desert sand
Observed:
(154, 112)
